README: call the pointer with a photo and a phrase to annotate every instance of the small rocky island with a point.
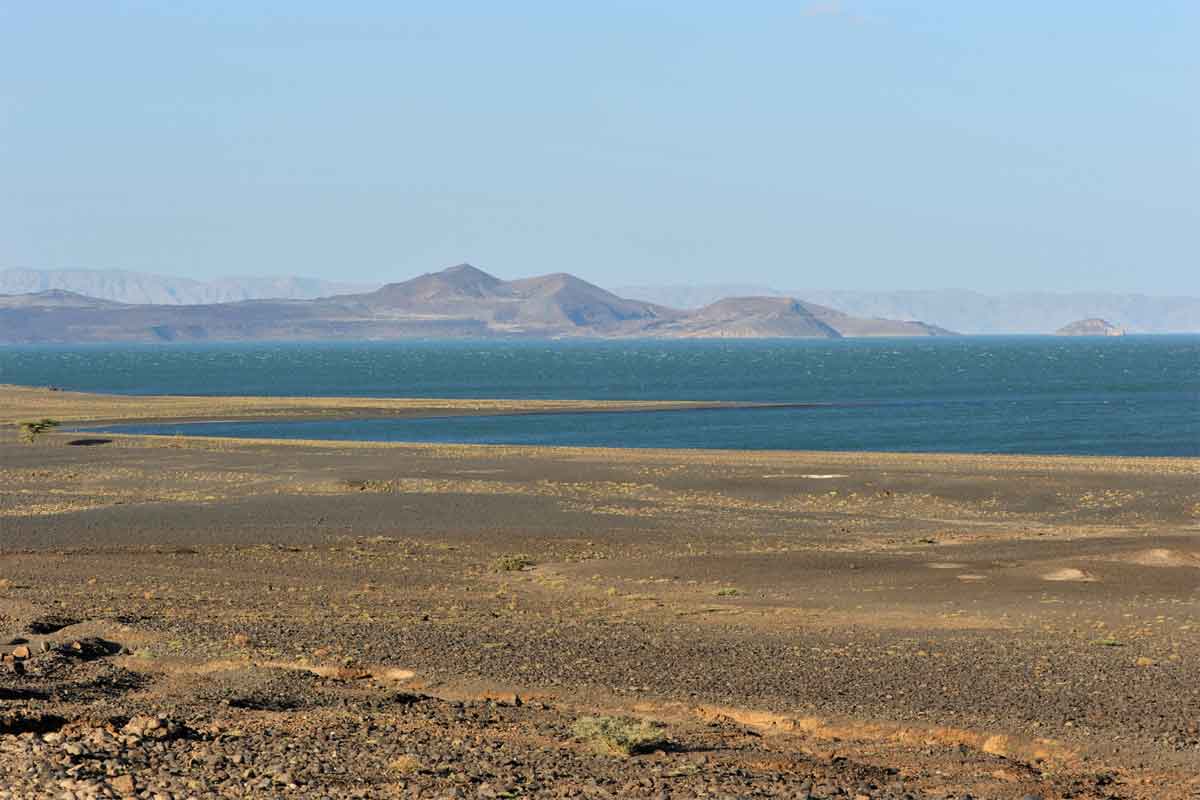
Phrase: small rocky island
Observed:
(1090, 327)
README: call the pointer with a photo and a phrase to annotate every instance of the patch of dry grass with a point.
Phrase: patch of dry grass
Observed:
(620, 736)
(405, 765)
(512, 562)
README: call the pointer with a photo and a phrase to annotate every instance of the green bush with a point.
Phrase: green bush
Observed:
(30, 431)
(512, 563)
(621, 736)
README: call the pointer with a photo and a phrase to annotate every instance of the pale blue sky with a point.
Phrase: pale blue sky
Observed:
(861, 144)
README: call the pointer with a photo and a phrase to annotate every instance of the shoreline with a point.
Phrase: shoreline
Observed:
(24, 402)
(848, 457)
(94, 410)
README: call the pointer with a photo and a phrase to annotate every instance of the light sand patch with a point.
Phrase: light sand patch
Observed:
(1069, 574)
(783, 618)
(809, 476)
(342, 673)
(339, 672)
(1160, 557)
(26, 402)
(945, 565)
(971, 578)
(999, 744)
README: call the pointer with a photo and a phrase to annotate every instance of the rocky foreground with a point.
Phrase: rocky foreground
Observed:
(210, 618)
(252, 731)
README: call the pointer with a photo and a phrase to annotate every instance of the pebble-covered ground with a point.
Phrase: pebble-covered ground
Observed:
(264, 732)
(253, 620)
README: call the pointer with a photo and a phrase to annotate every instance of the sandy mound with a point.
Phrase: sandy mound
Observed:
(1068, 574)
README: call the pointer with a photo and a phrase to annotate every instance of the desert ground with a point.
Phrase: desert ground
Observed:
(186, 617)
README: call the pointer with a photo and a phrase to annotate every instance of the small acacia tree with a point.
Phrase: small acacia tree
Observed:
(30, 431)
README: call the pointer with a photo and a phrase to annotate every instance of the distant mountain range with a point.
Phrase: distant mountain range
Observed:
(964, 311)
(124, 286)
(461, 301)
(464, 301)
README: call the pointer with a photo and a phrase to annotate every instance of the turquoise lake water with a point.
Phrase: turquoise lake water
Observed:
(1121, 396)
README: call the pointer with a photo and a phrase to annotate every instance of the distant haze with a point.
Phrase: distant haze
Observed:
(125, 286)
(954, 309)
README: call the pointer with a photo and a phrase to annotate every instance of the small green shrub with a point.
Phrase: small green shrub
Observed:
(30, 431)
(621, 736)
(514, 562)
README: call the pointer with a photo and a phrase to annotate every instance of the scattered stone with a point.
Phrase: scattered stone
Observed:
(91, 647)
(154, 727)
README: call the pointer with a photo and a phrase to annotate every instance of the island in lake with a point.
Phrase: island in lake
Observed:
(1093, 326)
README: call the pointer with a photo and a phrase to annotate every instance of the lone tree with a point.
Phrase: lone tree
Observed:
(31, 430)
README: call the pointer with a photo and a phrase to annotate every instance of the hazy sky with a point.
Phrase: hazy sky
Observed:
(855, 144)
